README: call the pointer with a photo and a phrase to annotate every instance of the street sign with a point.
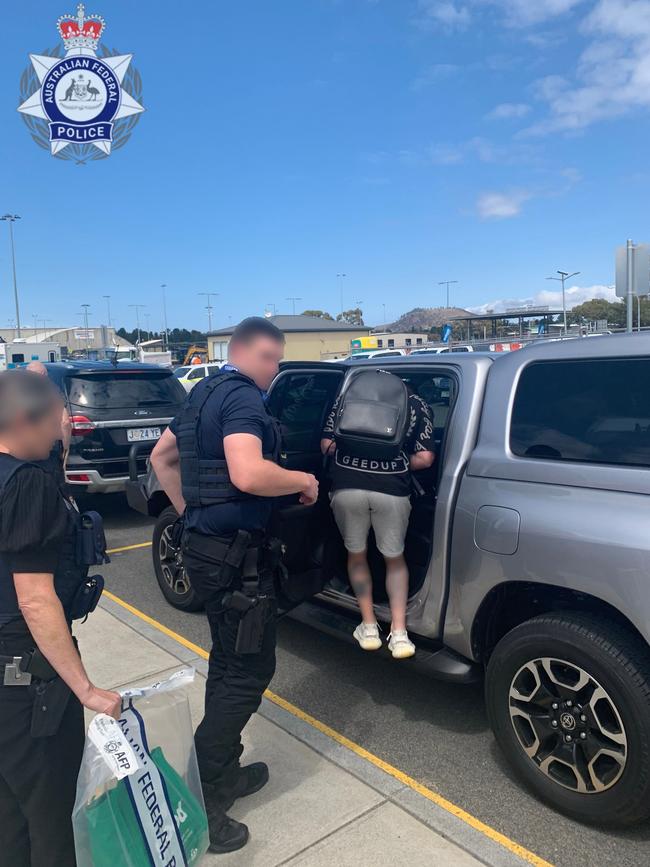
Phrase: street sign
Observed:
(84, 334)
(640, 258)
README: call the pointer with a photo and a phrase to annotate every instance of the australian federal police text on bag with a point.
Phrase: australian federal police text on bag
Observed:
(139, 799)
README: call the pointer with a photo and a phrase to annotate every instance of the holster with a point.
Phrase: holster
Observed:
(214, 564)
(49, 692)
(50, 701)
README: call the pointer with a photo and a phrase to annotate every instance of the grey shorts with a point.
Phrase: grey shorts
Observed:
(355, 511)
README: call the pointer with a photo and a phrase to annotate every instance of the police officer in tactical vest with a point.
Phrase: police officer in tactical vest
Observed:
(218, 464)
(44, 586)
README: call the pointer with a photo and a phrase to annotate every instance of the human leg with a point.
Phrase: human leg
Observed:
(390, 517)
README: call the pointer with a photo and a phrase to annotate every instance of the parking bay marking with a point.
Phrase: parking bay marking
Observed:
(128, 548)
(405, 779)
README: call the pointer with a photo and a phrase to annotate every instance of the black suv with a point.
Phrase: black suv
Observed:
(113, 407)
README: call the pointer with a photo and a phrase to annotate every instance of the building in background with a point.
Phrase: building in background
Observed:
(308, 338)
(72, 339)
(400, 339)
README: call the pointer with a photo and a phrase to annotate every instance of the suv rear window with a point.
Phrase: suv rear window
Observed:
(118, 390)
(588, 411)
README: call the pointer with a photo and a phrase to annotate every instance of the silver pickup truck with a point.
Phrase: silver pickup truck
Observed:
(528, 549)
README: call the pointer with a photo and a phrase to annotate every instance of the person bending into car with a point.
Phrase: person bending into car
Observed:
(379, 498)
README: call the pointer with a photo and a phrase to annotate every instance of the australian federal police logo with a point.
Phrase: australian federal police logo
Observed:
(83, 104)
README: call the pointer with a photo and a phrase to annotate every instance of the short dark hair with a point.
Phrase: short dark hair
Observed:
(256, 326)
(23, 392)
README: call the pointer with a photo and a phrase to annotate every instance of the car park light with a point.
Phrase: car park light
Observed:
(81, 426)
(77, 477)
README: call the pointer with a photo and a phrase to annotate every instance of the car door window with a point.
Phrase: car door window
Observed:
(300, 401)
(197, 373)
(593, 411)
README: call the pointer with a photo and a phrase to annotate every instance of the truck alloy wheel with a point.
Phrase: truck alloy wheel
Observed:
(172, 578)
(171, 563)
(568, 725)
(568, 698)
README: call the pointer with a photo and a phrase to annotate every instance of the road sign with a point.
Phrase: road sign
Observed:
(640, 259)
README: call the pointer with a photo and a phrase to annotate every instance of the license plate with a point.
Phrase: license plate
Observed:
(141, 434)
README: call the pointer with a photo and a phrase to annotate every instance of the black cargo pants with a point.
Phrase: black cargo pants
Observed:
(38, 778)
(235, 685)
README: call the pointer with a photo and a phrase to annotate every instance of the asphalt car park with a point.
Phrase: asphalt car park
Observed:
(436, 733)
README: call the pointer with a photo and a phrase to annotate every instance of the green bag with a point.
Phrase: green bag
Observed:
(116, 834)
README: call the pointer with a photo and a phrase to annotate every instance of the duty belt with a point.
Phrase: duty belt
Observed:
(19, 670)
(12, 672)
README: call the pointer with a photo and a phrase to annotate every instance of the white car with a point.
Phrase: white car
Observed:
(440, 350)
(374, 353)
(189, 375)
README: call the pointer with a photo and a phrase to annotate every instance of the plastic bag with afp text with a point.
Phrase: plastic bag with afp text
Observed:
(139, 800)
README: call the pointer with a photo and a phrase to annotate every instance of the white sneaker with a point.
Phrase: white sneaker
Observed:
(400, 645)
(367, 634)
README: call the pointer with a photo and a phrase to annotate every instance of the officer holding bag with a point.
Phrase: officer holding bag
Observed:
(46, 547)
(218, 464)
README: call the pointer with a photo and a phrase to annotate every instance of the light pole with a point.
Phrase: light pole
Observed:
(85, 314)
(447, 283)
(209, 308)
(341, 278)
(384, 308)
(108, 308)
(11, 219)
(270, 305)
(293, 299)
(138, 307)
(163, 286)
(564, 276)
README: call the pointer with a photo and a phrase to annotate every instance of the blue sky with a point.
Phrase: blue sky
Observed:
(401, 142)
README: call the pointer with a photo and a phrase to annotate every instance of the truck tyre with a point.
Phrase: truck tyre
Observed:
(168, 565)
(568, 699)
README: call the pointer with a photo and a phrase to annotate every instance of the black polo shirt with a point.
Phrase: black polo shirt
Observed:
(33, 522)
(232, 408)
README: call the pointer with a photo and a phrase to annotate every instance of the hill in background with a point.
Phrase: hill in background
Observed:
(425, 319)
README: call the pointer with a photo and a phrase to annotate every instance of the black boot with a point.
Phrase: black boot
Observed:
(226, 835)
(242, 782)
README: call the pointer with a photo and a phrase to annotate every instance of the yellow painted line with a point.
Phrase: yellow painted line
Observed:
(129, 548)
(437, 799)
(159, 626)
(434, 797)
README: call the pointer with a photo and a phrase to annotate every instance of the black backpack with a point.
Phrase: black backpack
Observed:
(373, 415)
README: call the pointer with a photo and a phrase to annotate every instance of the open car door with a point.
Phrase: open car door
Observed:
(300, 398)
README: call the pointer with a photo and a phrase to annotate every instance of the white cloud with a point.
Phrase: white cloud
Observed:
(548, 298)
(508, 110)
(445, 154)
(433, 74)
(499, 206)
(516, 13)
(527, 12)
(612, 75)
(444, 12)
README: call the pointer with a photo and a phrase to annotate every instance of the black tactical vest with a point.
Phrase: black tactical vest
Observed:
(68, 575)
(206, 482)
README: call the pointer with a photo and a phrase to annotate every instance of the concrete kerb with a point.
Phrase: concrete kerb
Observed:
(438, 819)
